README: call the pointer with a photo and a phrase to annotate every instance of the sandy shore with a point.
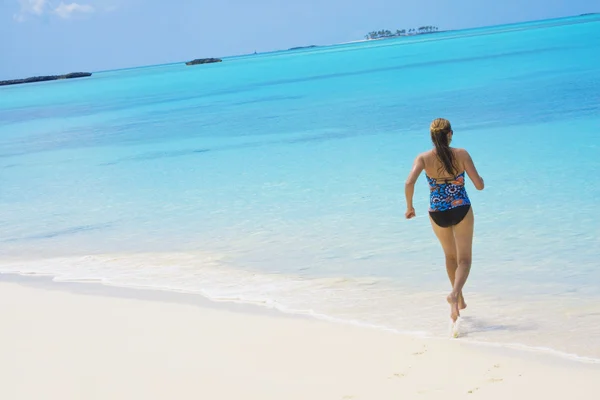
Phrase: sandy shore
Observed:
(58, 343)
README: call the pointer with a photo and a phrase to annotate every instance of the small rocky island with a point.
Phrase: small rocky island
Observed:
(45, 78)
(312, 46)
(203, 61)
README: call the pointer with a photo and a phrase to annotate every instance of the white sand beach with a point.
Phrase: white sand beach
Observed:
(93, 344)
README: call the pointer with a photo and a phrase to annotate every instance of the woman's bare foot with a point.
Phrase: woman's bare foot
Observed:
(453, 301)
(461, 302)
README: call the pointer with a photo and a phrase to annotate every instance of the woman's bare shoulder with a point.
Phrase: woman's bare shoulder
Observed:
(427, 154)
(461, 153)
(427, 159)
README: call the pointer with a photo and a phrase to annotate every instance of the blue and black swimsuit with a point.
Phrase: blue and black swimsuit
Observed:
(449, 203)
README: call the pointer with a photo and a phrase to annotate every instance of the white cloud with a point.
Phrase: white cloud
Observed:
(38, 8)
(68, 10)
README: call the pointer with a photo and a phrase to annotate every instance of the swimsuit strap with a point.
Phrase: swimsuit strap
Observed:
(434, 181)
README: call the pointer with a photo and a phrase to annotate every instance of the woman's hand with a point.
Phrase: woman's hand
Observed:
(410, 213)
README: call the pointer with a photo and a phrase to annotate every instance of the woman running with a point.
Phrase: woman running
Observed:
(450, 210)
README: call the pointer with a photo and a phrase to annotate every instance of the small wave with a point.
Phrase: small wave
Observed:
(359, 301)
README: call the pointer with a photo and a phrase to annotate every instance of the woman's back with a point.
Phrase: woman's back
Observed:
(435, 169)
(447, 190)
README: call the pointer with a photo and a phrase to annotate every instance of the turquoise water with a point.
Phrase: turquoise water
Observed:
(278, 179)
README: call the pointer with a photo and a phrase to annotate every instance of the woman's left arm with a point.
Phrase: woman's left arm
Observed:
(409, 186)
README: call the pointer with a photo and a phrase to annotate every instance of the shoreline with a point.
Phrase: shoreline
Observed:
(155, 294)
(121, 344)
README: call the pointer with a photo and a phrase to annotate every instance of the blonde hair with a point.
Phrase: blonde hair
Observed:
(440, 128)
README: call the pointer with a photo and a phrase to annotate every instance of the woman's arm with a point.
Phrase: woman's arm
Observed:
(471, 170)
(409, 186)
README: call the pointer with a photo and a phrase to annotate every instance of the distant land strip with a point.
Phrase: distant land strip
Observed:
(45, 78)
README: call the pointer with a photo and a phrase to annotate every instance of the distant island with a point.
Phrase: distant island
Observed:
(303, 47)
(384, 34)
(45, 78)
(203, 61)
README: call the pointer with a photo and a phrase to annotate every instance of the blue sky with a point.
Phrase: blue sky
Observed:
(50, 36)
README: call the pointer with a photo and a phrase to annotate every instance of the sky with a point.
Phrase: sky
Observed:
(41, 37)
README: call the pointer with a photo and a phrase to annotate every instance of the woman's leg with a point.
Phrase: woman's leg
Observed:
(463, 237)
(446, 238)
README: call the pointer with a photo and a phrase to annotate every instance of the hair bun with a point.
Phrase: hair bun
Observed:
(440, 126)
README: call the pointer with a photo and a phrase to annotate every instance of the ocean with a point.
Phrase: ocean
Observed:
(278, 179)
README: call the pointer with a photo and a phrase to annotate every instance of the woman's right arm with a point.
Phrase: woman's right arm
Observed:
(471, 170)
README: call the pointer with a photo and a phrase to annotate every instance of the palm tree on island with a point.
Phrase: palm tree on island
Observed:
(384, 34)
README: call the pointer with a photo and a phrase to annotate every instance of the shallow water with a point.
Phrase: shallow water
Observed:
(278, 179)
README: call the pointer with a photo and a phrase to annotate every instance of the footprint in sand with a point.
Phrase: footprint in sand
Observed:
(495, 366)
(495, 380)
(418, 353)
(490, 380)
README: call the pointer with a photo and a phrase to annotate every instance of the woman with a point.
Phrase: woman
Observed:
(450, 209)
